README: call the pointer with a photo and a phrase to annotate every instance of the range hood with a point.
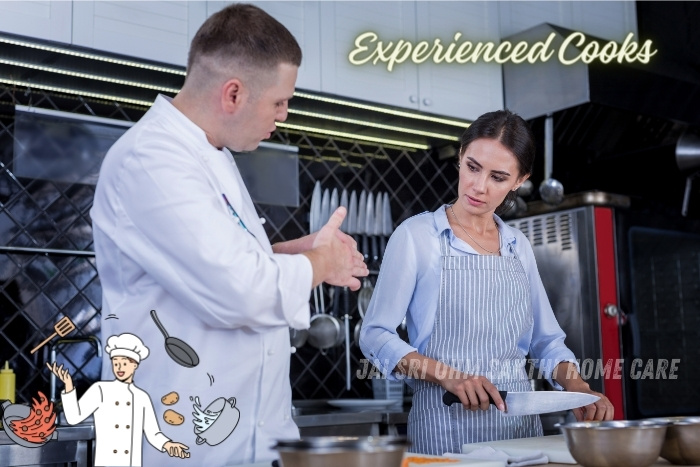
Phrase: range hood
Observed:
(535, 90)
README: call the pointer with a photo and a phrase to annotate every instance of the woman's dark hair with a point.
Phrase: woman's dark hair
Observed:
(511, 131)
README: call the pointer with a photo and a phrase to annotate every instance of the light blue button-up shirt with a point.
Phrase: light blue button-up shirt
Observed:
(409, 286)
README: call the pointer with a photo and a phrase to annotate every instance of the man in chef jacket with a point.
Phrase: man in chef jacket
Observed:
(123, 413)
(175, 230)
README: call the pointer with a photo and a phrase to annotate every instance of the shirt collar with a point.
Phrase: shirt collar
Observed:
(164, 107)
(441, 224)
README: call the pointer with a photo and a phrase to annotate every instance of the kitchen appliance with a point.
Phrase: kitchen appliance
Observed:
(623, 279)
(535, 402)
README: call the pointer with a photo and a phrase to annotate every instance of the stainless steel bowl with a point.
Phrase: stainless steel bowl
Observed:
(682, 443)
(623, 443)
(342, 451)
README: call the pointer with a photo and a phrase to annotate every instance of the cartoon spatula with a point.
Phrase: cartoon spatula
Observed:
(62, 327)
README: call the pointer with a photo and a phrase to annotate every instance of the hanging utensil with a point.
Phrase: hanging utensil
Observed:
(63, 327)
(344, 203)
(378, 227)
(346, 306)
(315, 209)
(551, 190)
(387, 224)
(324, 330)
(360, 227)
(177, 349)
(333, 203)
(314, 225)
(323, 219)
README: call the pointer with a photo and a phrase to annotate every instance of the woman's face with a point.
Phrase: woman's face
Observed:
(488, 171)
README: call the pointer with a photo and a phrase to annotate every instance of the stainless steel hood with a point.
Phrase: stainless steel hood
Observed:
(535, 90)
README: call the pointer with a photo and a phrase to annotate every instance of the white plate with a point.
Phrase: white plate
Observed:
(363, 403)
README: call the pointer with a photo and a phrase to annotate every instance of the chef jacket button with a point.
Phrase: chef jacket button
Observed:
(128, 403)
(126, 452)
(116, 426)
(261, 423)
(127, 427)
(286, 417)
(206, 158)
(115, 451)
(271, 351)
(262, 220)
(116, 403)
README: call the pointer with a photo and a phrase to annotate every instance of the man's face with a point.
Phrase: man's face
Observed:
(124, 369)
(256, 119)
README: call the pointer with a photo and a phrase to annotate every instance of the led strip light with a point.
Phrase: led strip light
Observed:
(353, 136)
(88, 76)
(381, 126)
(374, 108)
(117, 61)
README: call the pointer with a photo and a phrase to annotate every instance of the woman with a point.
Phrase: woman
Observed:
(474, 303)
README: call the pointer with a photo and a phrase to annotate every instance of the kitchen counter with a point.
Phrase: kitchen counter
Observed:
(320, 419)
(73, 445)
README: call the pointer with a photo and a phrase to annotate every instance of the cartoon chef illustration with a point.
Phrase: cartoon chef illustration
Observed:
(123, 412)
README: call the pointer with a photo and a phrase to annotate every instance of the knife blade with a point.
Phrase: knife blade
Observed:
(315, 209)
(388, 221)
(334, 202)
(378, 208)
(361, 213)
(352, 214)
(344, 203)
(535, 402)
(325, 205)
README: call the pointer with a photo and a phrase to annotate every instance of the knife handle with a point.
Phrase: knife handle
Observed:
(449, 398)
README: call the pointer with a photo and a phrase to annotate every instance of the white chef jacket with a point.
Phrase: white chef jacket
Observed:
(166, 240)
(123, 414)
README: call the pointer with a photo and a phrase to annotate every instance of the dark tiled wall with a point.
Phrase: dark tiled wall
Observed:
(37, 289)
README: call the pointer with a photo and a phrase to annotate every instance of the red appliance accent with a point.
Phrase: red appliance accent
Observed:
(607, 294)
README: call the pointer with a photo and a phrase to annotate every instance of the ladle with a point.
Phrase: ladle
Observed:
(551, 190)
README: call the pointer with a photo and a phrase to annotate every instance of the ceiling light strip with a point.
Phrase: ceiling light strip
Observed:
(352, 136)
(373, 125)
(102, 58)
(76, 92)
(374, 108)
(88, 76)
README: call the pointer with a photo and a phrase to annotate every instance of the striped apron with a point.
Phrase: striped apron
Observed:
(484, 308)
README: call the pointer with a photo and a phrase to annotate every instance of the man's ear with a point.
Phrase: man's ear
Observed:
(233, 94)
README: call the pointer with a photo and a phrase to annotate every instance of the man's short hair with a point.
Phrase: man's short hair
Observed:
(244, 35)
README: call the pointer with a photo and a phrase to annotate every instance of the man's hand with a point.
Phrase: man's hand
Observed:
(176, 450)
(62, 374)
(334, 256)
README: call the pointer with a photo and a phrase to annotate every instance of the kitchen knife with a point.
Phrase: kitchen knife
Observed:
(387, 226)
(535, 402)
(334, 202)
(352, 214)
(361, 216)
(369, 229)
(315, 209)
(378, 211)
(344, 203)
(325, 208)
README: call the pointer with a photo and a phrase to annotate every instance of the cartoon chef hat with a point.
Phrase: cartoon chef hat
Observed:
(126, 345)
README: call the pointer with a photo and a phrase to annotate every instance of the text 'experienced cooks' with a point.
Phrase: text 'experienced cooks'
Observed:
(368, 48)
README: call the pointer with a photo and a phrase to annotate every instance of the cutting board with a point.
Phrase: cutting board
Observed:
(553, 446)
(459, 463)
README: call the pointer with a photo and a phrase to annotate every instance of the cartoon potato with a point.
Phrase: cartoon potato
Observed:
(173, 418)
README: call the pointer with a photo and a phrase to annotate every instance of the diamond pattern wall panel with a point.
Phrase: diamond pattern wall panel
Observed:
(57, 277)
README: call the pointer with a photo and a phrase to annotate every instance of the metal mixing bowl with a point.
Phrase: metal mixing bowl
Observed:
(682, 444)
(342, 451)
(618, 443)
